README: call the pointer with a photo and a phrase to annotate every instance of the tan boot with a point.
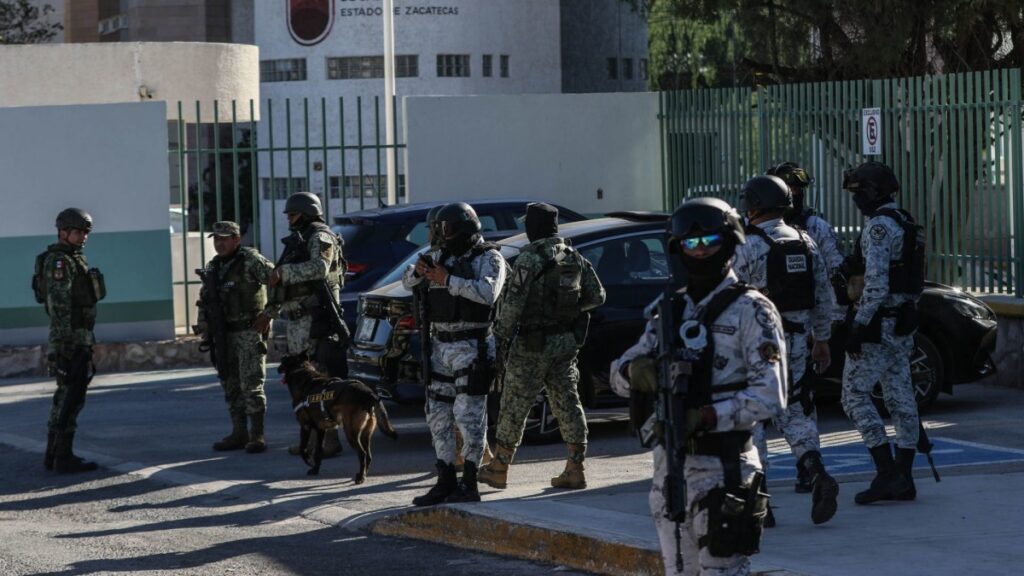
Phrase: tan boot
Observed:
(257, 443)
(572, 477)
(495, 474)
(238, 437)
(460, 460)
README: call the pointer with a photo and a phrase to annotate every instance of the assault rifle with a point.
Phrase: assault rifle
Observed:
(670, 409)
(215, 335)
(332, 311)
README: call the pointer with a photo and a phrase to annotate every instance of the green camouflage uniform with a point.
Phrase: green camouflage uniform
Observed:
(543, 352)
(241, 279)
(71, 305)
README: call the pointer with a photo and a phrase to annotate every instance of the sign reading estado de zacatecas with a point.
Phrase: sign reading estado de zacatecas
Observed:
(357, 8)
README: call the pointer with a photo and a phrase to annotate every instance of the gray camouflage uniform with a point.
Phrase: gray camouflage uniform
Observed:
(751, 266)
(750, 347)
(467, 412)
(828, 246)
(887, 362)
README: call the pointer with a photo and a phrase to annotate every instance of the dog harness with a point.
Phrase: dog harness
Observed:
(316, 404)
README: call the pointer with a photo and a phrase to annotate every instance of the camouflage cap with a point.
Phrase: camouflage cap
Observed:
(225, 228)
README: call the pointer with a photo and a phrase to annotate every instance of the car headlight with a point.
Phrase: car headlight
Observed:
(970, 308)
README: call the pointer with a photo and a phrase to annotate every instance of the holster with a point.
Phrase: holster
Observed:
(481, 372)
(735, 519)
(906, 319)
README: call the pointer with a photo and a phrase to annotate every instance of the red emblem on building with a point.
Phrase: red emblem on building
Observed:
(310, 21)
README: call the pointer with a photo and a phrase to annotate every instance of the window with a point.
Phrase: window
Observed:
(488, 65)
(453, 65)
(362, 67)
(634, 261)
(367, 184)
(613, 69)
(504, 65)
(286, 70)
(280, 187)
(643, 69)
(627, 68)
(112, 24)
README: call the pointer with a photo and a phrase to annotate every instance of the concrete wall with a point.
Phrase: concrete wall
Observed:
(111, 161)
(40, 75)
(561, 148)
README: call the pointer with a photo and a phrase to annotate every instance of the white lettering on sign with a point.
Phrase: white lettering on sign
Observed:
(871, 131)
(351, 11)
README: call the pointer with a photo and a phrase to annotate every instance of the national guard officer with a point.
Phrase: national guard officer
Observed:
(736, 335)
(891, 255)
(785, 265)
(540, 326)
(69, 290)
(233, 294)
(807, 219)
(465, 276)
(310, 270)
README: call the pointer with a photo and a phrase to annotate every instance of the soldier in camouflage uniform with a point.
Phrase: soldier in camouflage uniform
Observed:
(543, 317)
(466, 276)
(69, 289)
(785, 265)
(747, 384)
(312, 254)
(891, 254)
(239, 274)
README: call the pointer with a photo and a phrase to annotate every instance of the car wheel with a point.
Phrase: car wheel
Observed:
(926, 373)
(541, 424)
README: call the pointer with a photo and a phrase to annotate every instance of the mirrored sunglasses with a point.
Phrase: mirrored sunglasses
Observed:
(707, 241)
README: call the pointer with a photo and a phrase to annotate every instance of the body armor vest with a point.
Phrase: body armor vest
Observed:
(906, 275)
(297, 252)
(790, 272)
(243, 298)
(87, 285)
(443, 307)
(555, 292)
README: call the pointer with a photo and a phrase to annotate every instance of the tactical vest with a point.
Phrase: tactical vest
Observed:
(443, 307)
(243, 298)
(790, 283)
(87, 285)
(906, 275)
(555, 292)
(298, 252)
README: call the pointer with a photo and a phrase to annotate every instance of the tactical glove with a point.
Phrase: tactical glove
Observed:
(643, 374)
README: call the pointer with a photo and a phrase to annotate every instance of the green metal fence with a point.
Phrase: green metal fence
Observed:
(954, 141)
(227, 166)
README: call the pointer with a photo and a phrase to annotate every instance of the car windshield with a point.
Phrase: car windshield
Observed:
(395, 274)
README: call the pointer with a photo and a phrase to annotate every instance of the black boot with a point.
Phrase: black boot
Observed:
(887, 482)
(65, 461)
(824, 488)
(466, 491)
(769, 518)
(444, 487)
(51, 440)
(905, 468)
(803, 481)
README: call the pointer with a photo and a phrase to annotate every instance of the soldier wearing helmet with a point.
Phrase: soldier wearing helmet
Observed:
(465, 276)
(729, 338)
(69, 290)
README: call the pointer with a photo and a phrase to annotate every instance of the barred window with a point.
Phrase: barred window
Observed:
(613, 68)
(453, 65)
(504, 65)
(280, 187)
(627, 68)
(363, 67)
(284, 70)
(643, 69)
(366, 186)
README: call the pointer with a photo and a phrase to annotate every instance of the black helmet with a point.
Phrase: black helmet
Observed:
(872, 180)
(304, 203)
(704, 215)
(74, 218)
(432, 215)
(792, 174)
(459, 225)
(765, 193)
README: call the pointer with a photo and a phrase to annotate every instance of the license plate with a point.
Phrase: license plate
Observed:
(367, 326)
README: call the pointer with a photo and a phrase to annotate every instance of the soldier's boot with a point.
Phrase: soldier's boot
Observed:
(825, 489)
(64, 460)
(332, 444)
(495, 472)
(803, 481)
(905, 468)
(51, 439)
(445, 485)
(887, 482)
(467, 490)
(257, 443)
(460, 460)
(572, 477)
(238, 437)
(769, 518)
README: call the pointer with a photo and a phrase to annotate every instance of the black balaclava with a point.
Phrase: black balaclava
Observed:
(705, 274)
(459, 244)
(541, 221)
(867, 206)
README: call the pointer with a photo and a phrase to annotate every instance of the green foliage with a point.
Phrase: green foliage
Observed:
(20, 23)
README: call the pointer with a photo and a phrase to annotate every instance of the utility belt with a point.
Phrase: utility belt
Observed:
(905, 315)
(790, 327)
(535, 337)
(480, 372)
(239, 325)
(721, 443)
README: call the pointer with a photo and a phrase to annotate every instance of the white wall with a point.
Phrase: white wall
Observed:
(103, 73)
(561, 148)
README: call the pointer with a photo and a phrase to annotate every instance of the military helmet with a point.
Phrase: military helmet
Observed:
(74, 218)
(704, 216)
(304, 203)
(432, 214)
(765, 193)
(873, 180)
(792, 174)
(458, 219)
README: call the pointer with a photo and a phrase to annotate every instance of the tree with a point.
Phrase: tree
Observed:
(20, 23)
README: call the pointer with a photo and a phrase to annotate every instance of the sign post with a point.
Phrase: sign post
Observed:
(871, 131)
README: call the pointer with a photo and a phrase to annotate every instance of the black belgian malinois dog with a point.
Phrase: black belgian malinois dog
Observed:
(322, 403)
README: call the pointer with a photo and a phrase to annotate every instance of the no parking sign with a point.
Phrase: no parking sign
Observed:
(871, 131)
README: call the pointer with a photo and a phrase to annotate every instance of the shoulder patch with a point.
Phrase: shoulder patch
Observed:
(764, 317)
(59, 270)
(769, 352)
(877, 232)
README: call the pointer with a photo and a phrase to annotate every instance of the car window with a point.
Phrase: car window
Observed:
(488, 223)
(418, 234)
(629, 261)
(395, 274)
